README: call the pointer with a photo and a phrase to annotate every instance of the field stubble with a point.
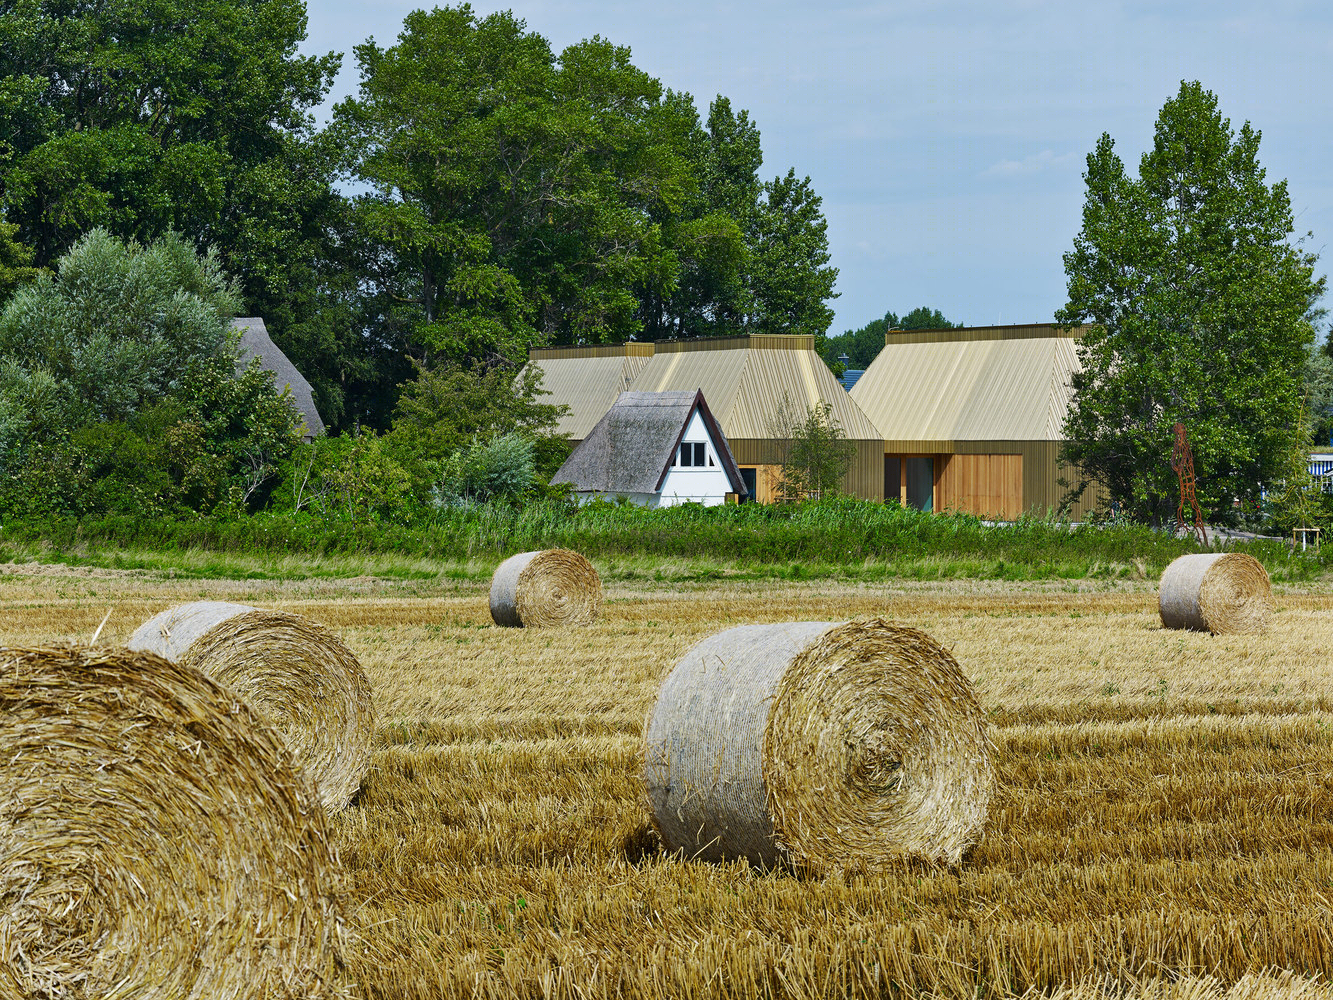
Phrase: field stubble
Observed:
(1164, 824)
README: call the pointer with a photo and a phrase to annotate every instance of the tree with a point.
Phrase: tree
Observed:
(813, 451)
(118, 324)
(788, 270)
(191, 116)
(511, 190)
(16, 268)
(863, 345)
(1200, 311)
(144, 117)
(119, 389)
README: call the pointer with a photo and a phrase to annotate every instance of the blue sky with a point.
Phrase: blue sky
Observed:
(948, 139)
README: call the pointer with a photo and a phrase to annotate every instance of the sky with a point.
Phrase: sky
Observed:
(948, 139)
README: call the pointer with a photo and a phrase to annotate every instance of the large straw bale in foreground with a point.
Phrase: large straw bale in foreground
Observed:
(552, 588)
(155, 838)
(818, 744)
(295, 672)
(1219, 592)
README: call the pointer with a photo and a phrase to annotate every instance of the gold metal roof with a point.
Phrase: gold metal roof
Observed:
(587, 385)
(745, 386)
(969, 388)
(744, 380)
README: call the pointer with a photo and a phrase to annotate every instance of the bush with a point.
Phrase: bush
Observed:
(502, 469)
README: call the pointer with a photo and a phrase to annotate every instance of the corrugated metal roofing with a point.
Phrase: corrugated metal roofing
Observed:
(745, 386)
(975, 390)
(588, 386)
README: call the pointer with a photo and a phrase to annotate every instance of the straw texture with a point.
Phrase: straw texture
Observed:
(1220, 592)
(820, 745)
(547, 589)
(294, 672)
(155, 839)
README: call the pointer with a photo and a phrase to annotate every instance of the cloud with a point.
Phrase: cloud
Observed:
(1034, 164)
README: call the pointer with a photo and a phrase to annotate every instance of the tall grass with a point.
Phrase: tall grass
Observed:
(820, 538)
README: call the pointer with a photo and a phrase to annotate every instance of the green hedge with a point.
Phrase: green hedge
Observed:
(816, 538)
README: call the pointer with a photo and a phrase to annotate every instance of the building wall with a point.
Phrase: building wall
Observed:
(973, 476)
(705, 484)
(989, 486)
(865, 477)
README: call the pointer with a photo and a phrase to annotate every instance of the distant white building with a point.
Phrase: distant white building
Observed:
(657, 449)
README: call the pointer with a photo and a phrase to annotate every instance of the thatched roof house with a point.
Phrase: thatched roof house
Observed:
(656, 448)
(255, 343)
(972, 418)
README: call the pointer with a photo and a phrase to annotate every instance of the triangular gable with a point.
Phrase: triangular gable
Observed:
(720, 445)
(633, 446)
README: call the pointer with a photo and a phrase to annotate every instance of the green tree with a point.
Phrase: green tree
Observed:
(118, 324)
(863, 346)
(16, 268)
(1200, 311)
(813, 453)
(511, 189)
(445, 408)
(144, 117)
(789, 273)
(191, 116)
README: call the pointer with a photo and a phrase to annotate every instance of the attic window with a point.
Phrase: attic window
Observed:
(692, 453)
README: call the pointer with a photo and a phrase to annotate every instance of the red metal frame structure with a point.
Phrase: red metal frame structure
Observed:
(1182, 464)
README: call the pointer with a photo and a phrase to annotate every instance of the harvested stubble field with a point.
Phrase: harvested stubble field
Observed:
(1164, 826)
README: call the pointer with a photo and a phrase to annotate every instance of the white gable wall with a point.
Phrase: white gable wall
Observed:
(706, 484)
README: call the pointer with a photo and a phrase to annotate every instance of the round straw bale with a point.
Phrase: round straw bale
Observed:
(1219, 592)
(155, 838)
(819, 745)
(552, 588)
(294, 672)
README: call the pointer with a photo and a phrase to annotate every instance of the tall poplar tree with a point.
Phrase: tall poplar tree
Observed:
(1201, 311)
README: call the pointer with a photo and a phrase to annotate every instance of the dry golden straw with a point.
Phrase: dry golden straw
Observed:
(1223, 593)
(294, 672)
(820, 745)
(553, 588)
(155, 839)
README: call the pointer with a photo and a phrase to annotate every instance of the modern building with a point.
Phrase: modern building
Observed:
(657, 449)
(972, 418)
(755, 385)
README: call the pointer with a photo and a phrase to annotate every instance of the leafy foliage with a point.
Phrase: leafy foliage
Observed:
(1201, 312)
(118, 324)
(520, 198)
(813, 451)
(863, 345)
(501, 469)
(118, 389)
(446, 409)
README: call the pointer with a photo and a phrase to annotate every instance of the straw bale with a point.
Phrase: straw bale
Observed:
(1220, 592)
(155, 838)
(293, 671)
(552, 588)
(820, 745)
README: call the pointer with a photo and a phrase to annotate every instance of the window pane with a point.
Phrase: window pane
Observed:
(699, 453)
(684, 455)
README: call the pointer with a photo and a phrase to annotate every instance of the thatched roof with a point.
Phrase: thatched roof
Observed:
(255, 343)
(633, 446)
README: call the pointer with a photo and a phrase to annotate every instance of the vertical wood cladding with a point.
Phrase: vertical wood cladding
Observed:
(989, 486)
